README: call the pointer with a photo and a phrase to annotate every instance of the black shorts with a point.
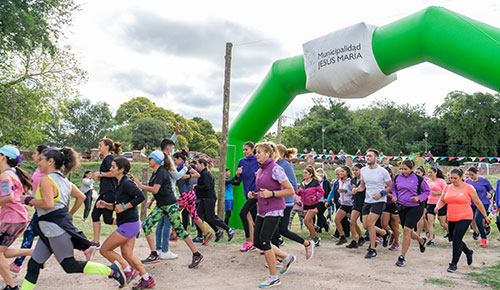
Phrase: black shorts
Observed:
(376, 208)
(346, 208)
(391, 208)
(312, 207)
(411, 215)
(441, 212)
(107, 215)
(357, 204)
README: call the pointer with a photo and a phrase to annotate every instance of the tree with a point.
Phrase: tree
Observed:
(147, 133)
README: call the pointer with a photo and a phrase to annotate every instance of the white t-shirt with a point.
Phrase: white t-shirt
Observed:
(375, 180)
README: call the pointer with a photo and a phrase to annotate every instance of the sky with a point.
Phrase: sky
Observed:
(173, 51)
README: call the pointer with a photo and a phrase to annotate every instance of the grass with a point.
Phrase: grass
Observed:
(489, 276)
(437, 281)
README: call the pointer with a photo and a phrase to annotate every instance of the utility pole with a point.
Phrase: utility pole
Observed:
(278, 134)
(225, 125)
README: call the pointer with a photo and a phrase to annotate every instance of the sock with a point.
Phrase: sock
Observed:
(154, 253)
(272, 278)
(96, 268)
(196, 254)
(146, 277)
(27, 285)
(128, 269)
(287, 259)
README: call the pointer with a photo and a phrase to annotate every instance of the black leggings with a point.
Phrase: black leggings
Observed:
(249, 206)
(457, 231)
(207, 210)
(87, 203)
(227, 216)
(265, 229)
(321, 216)
(283, 229)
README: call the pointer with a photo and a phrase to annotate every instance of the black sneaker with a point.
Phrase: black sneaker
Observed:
(281, 241)
(430, 243)
(218, 235)
(316, 241)
(230, 234)
(452, 268)
(336, 235)
(446, 236)
(372, 253)
(487, 231)
(469, 257)
(11, 288)
(401, 261)
(198, 240)
(475, 236)
(422, 245)
(361, 242)
(196, 261)
(117, 273)
(341, 241)
(352, 245)
(151, 259)
(386, 238)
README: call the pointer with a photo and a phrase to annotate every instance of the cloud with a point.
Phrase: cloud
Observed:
(136, 80)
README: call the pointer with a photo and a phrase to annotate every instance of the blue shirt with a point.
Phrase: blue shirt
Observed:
(482, 187)
(290, 173)
(250, 166)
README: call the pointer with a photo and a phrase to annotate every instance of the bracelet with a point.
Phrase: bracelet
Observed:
(28, 199)
(124, 208)
(273, 194)
(100, 173)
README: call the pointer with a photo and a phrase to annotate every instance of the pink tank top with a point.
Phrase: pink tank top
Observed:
(14, 211)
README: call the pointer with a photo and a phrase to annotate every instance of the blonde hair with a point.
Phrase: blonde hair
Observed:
(270, 148)
(321, 171)
(289, 152)
(312, 171)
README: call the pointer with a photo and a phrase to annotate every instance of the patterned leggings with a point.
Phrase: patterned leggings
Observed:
(172, 212)
(187, 200)
(301, 217)
(28, 238)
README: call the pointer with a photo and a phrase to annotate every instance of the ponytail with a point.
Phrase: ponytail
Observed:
(289, 152)
(66, 157)
(23, 176)
(114, 147)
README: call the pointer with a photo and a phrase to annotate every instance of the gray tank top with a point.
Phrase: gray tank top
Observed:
(63, 185)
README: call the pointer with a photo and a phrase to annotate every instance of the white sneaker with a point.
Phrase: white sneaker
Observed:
(168, 256)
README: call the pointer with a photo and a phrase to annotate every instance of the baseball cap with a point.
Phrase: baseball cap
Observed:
(9, 151)
(158, 156)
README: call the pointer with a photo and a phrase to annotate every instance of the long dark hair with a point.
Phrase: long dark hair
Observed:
(85, 173)
(66, 157)
(439, 173)
(24, 177)
(347, 170)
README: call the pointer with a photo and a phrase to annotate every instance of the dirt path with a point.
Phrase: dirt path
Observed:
(333, 267)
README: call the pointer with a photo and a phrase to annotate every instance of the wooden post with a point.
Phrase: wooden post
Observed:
(278, 133)
(225, 125)
(144, 209)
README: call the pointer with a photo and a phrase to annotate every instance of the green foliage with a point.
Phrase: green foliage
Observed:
(489, 277)
(122, 134)
(147, 133)
(437, 281)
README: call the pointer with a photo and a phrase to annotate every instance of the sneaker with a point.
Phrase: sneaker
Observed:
(446, 235)
(341, 241)
(422, 245)
(246, 246)
(310, 250)
(475, 236)
(207, 238)
(230, 234)
(281, 241)
(14, 269)
(287, 265)
(484, 243)
(117, 274)
(336, 235)
(394, 246)
(151, 259)
(352, 245)
(385, 238)
(168, 256)
(7, 287)
(372, 253)
(391, 239)
(90, 253)
(469, 257)
(196, 261)
(279, 264)
(143, 284)
(316, 241)
(270, 283)
(487, 231)
(218, 235)
(361, 242)
(252, 248)
(452, 268)
(173, 238)
(129, 276)
(401, 261)
(198, 240)
(430, 243)
(97, 245)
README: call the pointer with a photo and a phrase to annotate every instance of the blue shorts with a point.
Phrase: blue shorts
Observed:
(228, 205)
(129, 230)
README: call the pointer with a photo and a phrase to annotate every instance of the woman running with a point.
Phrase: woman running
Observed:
(310, 191)
(128, 197)
(273, 187)
(87, 189)
(390, 218)
(409, 190)
(106, 186)
(246, 173)
(54, 224)
(436, 184)
(166, 204)
(357, 207)
(298, 208)
(458, 196)
(14, 215)
(485, 192)
(29, 235)
(422, 223)
(345, 199)
(327, 187)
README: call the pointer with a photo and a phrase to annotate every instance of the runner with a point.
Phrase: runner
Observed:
(310, 191)
(298, 208)
(390, 217)
(54, 224)
(128, 197)
(228, 196)
(346, 199)
(166, 205)
(458, 196)
(246, 173)
(436, 184)
(375, 180)
(485, 192)
(357, 207)
(106, 186)
(87, 188)
(273, 187)
(14, 215)
(409, 190)
(422, 223)
(327, 187)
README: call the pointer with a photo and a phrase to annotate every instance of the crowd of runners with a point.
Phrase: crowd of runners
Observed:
(368, 204)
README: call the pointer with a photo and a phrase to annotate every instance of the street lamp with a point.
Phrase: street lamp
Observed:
(168, 123)
(426, 134)
(323, 138)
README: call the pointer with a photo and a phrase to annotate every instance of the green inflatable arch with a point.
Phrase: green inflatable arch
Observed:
(436, 35)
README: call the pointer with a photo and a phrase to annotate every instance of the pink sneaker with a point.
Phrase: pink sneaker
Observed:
(14, 269)
(484, 243)
(131, 275)
(394, 246)
(310, 250)
(246, 246)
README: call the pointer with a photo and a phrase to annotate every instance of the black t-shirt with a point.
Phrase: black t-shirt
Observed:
(165, 196)
(127, 191)
(205, 189)
(107, 184)
(359, 198)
